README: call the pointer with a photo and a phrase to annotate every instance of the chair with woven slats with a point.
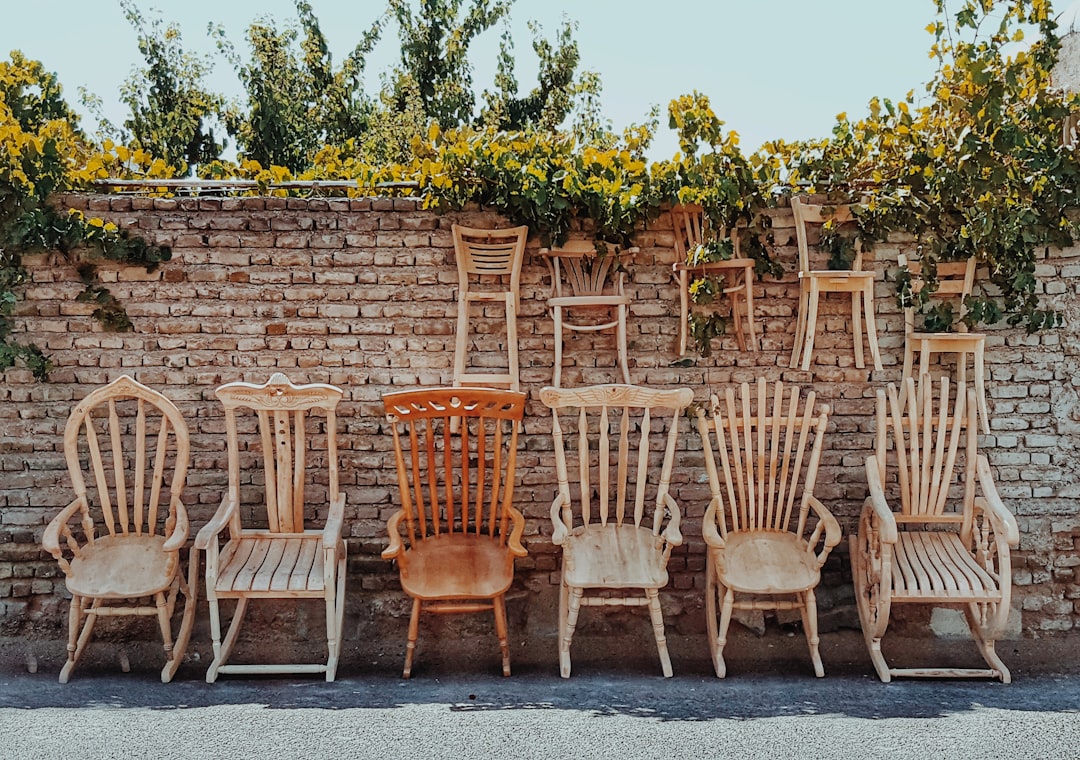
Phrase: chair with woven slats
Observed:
(949, 543)
(283, 559)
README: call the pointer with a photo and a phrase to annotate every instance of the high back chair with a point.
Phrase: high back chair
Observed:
(280, 558)
(955, 279)
(127, 454)
(767, 534)
(579, 285)
(620, 542)
(814, 282)
(485, 257)
(457, 533)
(688, 221)
(937, 535)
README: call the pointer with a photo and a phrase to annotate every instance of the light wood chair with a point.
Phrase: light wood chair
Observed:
(128, 561)
(954, 279)
(944, 546)
(488, 255)
(579, 279)
(814, 282)
(615, 549)
(688, 221)
(765, 549)
(461, 530)
(283, 560)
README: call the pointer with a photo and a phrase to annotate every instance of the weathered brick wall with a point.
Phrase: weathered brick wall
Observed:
(360, 293)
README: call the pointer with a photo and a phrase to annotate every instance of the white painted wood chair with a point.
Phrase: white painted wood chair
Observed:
(944, 546)
(282, 559)
(767, 534)
(132, 518)
(457, 533)
(618, 547)
(815, 282)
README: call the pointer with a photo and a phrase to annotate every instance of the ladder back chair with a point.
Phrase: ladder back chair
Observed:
(579, 283)
(955, 279)
(457, 533)
(767, 534)
(281, 558)
(613, 544)
(488, 255)
(131, 445)
(947, 544)
(814, 282)
(688, 221)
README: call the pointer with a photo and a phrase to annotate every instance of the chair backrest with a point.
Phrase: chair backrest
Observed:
(770, 449)
(577, 267)
(625, 413)
(955, 279)
(490, 252)
(455, 477)
(688, 221)
(817, 213)
(282, 416)
(135, 441)
(926, 436)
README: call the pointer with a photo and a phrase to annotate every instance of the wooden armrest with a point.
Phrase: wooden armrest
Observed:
(876, 500)
(396, 549)
(331, 535)
(217, 523)
(180, 530)
(51, 540)
(708, 525)
(560, 530)
(833, 533)
(513, 543)
(671, 533)
(991, 503)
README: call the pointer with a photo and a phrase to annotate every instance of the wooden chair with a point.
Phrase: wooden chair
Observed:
(283, 560)
(814, 282)
(488, 254)
(764, 552)
(456, 482)
(945, 546)
(614, 549)
(578, 284)
(954, 279)
(128, 562)
(688, 221)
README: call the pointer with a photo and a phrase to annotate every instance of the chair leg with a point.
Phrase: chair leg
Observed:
(684, 311)
(986, 643)
(512, 341)
(223, 649)
(811, 328)
(726, 608)
(809, 618)
(164, 623)
(856, 330)
(871, 327)
(909, 359)
(571, 597)
(190, 590)
(800, 325)
(337, 610)
(711, 628)
(556, 316)
(980, 387)
(75, 621)
(873, 608)
(414, 634)
(748, 281)
(499, 605)
(657, 616)
(736, 320)
(620, 331)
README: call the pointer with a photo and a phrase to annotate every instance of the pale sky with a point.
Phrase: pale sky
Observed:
(772, 68)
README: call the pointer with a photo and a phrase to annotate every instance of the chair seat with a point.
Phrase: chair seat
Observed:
(457, 566)
(613, 556)
(766, 562)
(935, 565)
(956, 337)
(285, 565)
(844, 274)
(122, 567)
(572, 301)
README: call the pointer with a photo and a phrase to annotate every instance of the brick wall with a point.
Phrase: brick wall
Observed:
(360, 293)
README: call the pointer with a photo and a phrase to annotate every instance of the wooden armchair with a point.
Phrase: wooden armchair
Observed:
(944, 546)
(132, 531)
(765, 552)
(280, 559)
(457, 533)
(614, 548)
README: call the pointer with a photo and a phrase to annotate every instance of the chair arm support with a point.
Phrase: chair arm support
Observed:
(671, 533)
(876, 500)
(833, 533)
(51, 540)
(513, 543)
(708, 525)
(561, 531)
(180, 530)
(1000, 516)
(331, 535)
(396, 549)
(217, 523)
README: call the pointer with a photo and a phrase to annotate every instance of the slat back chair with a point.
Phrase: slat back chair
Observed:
(688, 222)
(814, 282)
(285, 559)
(948, 542)
(768, 535)
(484, 256)
(457, 533)
(956, 279)
(127, 452)
(624, 439)
(580, 282)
